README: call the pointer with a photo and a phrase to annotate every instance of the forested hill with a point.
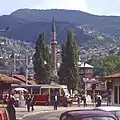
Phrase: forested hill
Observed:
(26, 24)
(108, 24)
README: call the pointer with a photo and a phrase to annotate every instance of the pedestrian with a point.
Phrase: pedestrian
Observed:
(28, 102)
(99, 96)
(108, 100)
(78, 100)
(32, 103)
(98, 102)
(55, 101)
(11, 109)
(84, 101)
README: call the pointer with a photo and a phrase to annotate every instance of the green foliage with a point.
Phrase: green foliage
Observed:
(68, 71)
(110, 63)
(41, 55)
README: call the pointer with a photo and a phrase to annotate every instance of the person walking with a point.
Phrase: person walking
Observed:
(108, 100)
(28, 102)
(32, 103)
(98, 102)
(11, 109)
(55, 101)
(84, 101)
(78, 100)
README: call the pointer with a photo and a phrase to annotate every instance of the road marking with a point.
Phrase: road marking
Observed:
(30, 114)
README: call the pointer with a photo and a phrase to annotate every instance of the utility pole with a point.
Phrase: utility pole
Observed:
(26, 64)
(14, 64)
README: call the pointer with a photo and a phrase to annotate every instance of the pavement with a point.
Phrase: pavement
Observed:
(22, 112)
(44, 116)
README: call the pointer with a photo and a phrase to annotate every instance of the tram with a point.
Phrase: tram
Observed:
(44, 93)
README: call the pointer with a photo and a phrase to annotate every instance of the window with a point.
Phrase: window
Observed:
(36, 90)
(115, 95)
(99, 118)
(117, 113)
(69, 117)
(63, 117)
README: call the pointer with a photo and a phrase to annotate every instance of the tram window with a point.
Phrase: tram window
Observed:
(29, 89)
(44, 91)
(36, 90)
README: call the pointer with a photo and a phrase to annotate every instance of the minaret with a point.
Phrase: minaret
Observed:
(53, 47)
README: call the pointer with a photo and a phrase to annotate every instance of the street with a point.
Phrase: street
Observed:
(46, 112)
(44, 116)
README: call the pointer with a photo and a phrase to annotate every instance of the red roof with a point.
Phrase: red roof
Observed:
(117, 75)
(23, 79)
(7, 79)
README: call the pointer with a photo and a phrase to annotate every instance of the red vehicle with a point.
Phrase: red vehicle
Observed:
(87, 115)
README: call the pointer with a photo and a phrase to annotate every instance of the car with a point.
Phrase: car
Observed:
(113, 109)
(87, 115)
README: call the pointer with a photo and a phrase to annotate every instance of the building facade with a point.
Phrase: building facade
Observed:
(86, 71)
(113, 85)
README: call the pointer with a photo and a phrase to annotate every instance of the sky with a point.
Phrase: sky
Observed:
(98, 7)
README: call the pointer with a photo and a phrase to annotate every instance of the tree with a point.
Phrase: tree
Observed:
(41, 56)
(110, 64)
(68, 72)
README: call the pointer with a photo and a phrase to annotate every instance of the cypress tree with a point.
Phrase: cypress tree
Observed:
(41, 56)
(68, 71)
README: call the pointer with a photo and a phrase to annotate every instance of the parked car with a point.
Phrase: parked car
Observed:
(87, 115)
(113, 109)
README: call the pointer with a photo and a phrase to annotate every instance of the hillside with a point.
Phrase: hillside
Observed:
(107, 24)
(26, 24)
(21, 29)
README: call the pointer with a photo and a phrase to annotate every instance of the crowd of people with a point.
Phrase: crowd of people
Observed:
(82, 98)
(29, 102)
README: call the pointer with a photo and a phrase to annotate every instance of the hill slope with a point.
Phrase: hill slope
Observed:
(107, 24)
(26, 24)
(24, 30)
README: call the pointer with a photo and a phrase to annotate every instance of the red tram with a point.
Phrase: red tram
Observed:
(43, 93)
